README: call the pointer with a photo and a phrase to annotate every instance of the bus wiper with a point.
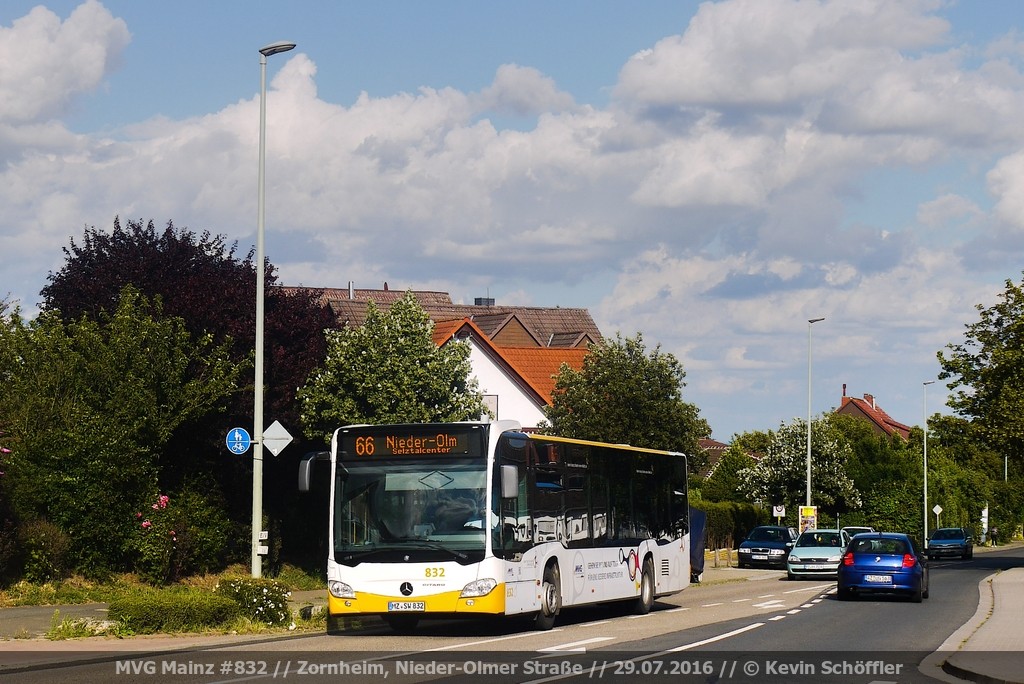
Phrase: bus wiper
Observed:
(435, 547)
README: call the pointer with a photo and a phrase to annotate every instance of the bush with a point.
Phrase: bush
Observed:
(46, 550)
(148, 612)
(728, 523)
(177, 538)
(260, 600)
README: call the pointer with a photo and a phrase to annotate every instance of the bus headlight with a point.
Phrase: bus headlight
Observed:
(480, 587)
(340, 589)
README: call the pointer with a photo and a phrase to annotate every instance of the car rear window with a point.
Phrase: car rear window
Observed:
(886, 546)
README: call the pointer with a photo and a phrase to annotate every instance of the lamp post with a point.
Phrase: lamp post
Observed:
(810, 322)
(257, 405)
(924, 541)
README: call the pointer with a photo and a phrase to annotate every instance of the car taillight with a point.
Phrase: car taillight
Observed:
(848, 558)
(908, 560)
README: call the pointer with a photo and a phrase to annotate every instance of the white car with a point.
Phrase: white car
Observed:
(816, 553)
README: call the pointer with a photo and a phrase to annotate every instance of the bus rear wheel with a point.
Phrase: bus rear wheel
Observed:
(645, 601)
(550, 599)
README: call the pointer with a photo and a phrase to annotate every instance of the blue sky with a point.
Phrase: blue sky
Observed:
(710, 175)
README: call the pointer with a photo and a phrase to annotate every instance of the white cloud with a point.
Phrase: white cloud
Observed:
(48, 63)
(523, 91)
(1006, 183)
(724, 197)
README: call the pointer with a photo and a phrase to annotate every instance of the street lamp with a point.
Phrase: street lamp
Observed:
(257, 406)
(810, 322)
(924, 541)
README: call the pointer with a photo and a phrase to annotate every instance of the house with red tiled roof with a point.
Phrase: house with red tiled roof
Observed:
(505, 326)
(516, 382)
(714, 451)
(515, 351)
(867, 409)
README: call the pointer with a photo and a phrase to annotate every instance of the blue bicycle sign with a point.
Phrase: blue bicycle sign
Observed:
(238, 440)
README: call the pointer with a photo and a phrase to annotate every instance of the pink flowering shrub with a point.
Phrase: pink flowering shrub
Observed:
(181, 536)
(155, 542)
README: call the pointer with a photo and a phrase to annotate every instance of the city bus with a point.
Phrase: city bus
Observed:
(483, 519)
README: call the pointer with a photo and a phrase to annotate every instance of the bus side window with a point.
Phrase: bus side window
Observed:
(599, 508)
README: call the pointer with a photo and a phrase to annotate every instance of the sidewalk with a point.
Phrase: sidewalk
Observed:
(989, 648)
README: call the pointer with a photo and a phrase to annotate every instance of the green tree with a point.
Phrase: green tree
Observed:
(724, 483)
(780, 476)
(389, 370)
(754, 442)
(201, 279)
(878, 459)
(91, 405)
(984, 372)
(625, 395)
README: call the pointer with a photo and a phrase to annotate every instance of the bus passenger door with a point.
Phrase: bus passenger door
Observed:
(514, 541)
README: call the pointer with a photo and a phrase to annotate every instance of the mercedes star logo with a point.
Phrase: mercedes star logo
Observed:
(406, 589)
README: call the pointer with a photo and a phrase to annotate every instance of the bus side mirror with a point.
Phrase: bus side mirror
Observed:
(306, 467)
(509, 482)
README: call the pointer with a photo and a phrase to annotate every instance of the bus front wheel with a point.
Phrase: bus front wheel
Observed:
(645, 601)
(550, 599)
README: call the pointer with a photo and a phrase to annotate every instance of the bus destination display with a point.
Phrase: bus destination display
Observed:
(395, 444)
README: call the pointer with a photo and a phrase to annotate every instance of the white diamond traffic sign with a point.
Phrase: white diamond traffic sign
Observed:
(276, 438)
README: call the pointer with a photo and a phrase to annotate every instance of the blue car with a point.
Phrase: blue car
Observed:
(882, 562)
(950, 541)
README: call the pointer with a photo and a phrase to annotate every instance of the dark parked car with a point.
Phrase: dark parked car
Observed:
(767, 546)
(882, 562)
(950, 541)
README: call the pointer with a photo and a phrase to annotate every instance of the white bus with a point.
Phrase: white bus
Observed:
(478, 519)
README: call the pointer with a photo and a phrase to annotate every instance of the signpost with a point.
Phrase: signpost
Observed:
(779, 512)
(808, 518)
(276, 438)
(238, 440)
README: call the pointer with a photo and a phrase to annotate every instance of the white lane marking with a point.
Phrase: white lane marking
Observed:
(574, 647)
(676, 610)
(793, 612)
(741, 600)
(452, 647)
(711, 605)
(712, 640)
(769, 605)
(649, 656)
(777, 617)
(804, 589)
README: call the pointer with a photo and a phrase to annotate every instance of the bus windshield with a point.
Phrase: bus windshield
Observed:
(421, 509)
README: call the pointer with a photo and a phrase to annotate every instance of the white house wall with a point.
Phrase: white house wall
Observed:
(493, 379)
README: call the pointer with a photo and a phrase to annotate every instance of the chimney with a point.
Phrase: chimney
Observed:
(844, 389)
(483, 301)
(385, 286)
(351, 290)
(870, 399)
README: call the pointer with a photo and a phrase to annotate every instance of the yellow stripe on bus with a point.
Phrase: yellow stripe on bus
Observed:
(448, 603)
